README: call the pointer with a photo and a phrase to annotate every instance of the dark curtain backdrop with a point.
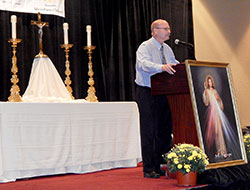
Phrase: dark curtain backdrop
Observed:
(118, 28)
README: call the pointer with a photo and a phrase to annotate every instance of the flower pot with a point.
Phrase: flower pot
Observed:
(188, 179)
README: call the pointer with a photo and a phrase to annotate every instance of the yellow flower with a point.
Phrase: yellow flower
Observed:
(194, 153)
(206, 162)
(176, 161)
(171, 155)
(203, 154)
(183, 146)
(187, 170)
(199, 156)
(187, 166)
(179, 166)
(247, 136)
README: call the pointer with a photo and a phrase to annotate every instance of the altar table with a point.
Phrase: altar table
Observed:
(38, 139)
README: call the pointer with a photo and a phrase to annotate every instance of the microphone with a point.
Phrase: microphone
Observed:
(177, 42)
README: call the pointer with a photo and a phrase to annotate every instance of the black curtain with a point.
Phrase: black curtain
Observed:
(118, 28)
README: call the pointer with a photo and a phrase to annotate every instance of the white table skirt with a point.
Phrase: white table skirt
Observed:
(53, 138)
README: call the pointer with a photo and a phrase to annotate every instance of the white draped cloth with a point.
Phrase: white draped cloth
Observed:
(45, 83)
(40, 139)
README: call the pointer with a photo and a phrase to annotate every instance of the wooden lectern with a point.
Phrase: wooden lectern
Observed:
(176, 89)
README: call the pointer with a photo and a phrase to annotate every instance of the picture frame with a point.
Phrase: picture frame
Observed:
(215, 112)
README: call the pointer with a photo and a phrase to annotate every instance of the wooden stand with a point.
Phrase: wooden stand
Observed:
(176, 89)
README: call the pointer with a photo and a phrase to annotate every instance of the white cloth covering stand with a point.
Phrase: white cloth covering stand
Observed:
(40, 139)
(45, 83)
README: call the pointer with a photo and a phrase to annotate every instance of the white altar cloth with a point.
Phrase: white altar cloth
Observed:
(39, 139)
(45, 83)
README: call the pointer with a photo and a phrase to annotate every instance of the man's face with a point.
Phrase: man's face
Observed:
(162, 31)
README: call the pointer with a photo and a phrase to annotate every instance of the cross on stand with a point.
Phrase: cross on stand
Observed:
(40, 25)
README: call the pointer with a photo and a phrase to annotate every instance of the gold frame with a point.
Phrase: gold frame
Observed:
(196, 72)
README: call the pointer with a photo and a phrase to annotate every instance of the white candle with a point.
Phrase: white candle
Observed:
(13, 26)
(65, 29)
(88, 29)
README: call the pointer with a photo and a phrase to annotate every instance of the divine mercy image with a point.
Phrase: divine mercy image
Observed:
(220, 138)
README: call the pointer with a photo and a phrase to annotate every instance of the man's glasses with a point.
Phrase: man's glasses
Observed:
(167, 29)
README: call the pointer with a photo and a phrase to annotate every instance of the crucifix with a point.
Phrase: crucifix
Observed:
(40, 26)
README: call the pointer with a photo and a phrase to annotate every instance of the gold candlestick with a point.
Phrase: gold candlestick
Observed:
(91, 91)
(14, 91)
(67, 72)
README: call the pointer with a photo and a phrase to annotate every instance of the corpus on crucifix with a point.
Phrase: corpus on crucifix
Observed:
(40, 26)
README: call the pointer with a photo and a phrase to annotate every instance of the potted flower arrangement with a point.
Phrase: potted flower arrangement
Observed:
(246, 139)
(186, 159)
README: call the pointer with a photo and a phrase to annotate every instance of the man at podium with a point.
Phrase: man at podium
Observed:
(154, 56)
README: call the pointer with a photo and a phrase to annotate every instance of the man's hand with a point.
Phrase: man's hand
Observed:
(168, 68)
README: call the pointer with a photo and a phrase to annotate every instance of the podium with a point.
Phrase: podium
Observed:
(176, 89)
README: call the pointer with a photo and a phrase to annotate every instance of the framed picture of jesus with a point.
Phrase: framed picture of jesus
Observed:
(215, 112)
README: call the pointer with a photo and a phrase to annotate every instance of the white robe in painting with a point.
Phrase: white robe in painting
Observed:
(220, 136)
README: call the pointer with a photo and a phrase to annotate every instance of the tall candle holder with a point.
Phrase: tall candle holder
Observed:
(67, 72)
(14, 91)
(91, 91)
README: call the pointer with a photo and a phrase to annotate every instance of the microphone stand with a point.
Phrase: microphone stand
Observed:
(190, 47)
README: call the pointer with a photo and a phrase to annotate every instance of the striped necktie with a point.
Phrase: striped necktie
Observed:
(163, 59)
